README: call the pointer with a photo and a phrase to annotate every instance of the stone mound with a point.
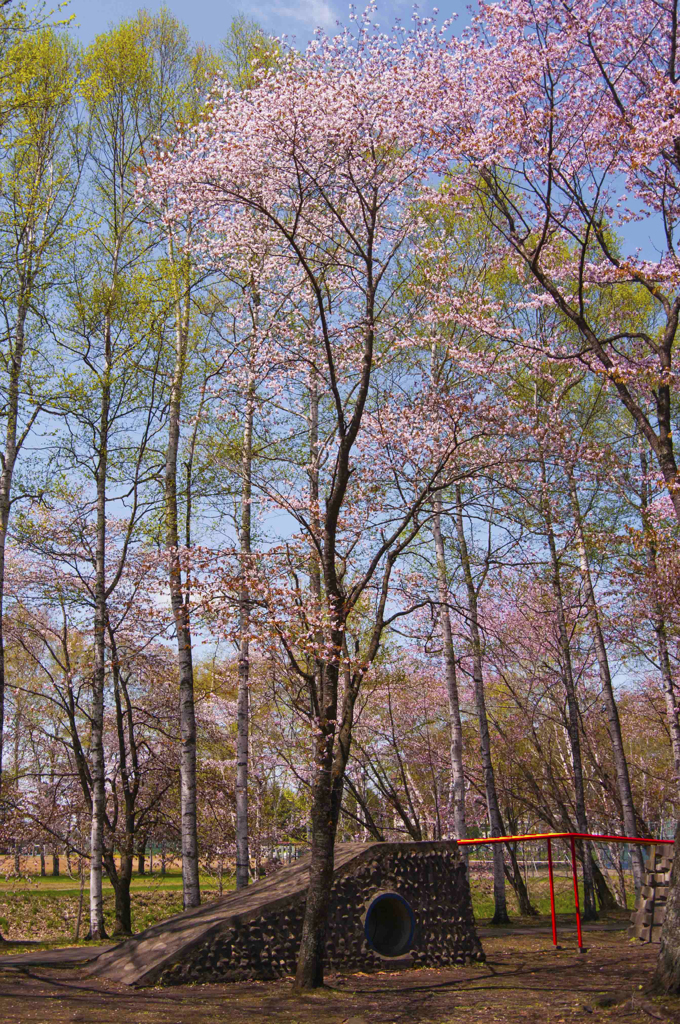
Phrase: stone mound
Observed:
(650, 909)
(255, 933)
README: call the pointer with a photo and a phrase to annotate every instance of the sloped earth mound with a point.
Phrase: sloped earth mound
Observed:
(388, 901)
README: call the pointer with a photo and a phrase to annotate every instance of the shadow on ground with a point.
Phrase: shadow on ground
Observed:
(523, 980)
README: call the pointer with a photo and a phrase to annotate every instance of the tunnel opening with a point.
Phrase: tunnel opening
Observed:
(389, 925)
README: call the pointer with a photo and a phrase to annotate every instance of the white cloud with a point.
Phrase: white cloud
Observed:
(312, 13)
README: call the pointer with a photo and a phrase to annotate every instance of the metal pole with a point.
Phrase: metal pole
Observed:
(592, 836)
(552, 894)
(576, 903)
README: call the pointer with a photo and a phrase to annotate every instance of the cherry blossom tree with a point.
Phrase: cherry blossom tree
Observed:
(53, 593)
(318, 165)
(557, 112)
(566, 117)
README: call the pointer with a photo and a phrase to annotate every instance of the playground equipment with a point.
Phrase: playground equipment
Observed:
(549, 837)
(391, 905)
(389, 925)
(650, 910)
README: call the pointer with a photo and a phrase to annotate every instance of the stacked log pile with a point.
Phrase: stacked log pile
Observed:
(649, 913)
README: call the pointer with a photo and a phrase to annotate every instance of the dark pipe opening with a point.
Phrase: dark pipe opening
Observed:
(389, 925)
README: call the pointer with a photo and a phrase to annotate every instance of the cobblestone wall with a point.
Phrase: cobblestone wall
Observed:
(430, 876)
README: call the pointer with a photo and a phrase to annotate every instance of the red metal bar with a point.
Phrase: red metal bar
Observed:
(578, 909)
(594, 837)
(571, 836)
(552, 894)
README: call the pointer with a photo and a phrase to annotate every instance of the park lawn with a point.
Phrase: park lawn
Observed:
(47, 912)
(63, 884)
(172, 880)
(45, 909)
(539, 894)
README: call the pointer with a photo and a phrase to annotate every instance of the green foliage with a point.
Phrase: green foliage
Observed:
(247, 50)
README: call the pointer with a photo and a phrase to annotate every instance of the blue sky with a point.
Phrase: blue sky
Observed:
(209, 20)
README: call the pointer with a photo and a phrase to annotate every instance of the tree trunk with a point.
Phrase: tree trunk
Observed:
(191, 888)
(180, 611)
(669, 692)
(141, 857)
(42, 862)
(666, 978)
(516, 879)
(321, 828)
(8, 462)
(99, 673)
(327, 790)
(659, 626)
(123, 923)
(456, 726)
(330, 757)
(573, 724)
(614, 723)
(500, 905)
(242, 713)
(81, 893)
(55, 864)
(120, 880)
(605, 896)
(313, 943)
(128, 763)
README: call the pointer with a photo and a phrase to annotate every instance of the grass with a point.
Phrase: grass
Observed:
(171, 882)
(30, 878)
(539, 894)
(44, 909)
(39, 914)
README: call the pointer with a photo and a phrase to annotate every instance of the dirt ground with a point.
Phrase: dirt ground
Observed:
(523, 980)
